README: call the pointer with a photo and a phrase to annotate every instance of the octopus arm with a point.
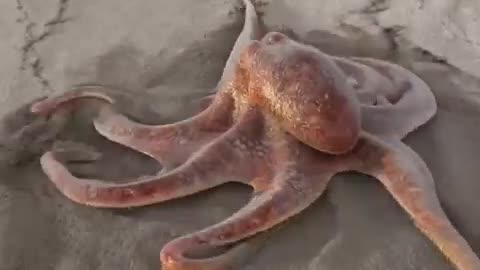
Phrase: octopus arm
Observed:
(290, 193)
(170, 144)
(218, 162)
(409, 181)
(411, 104)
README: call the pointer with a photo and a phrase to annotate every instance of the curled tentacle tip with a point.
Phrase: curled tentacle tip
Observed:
(42, 106)
(46, 160)
(170, 259)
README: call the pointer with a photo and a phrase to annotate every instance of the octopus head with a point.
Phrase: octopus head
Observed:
(305, 90)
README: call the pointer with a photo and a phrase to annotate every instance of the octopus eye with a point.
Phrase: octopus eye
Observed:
(274, 37)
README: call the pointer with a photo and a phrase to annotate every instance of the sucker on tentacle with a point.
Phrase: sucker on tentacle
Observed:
(285, 119)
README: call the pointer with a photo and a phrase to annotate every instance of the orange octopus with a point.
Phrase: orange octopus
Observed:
(285, 118)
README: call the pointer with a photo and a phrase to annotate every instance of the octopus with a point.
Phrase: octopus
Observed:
(285, 118)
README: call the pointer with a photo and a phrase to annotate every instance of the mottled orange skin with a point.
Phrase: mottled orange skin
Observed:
(304, 90)
(285, 123)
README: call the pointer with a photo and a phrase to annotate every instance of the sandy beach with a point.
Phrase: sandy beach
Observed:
(168, 54)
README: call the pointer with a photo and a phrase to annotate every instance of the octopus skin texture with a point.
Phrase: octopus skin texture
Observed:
(285, 118)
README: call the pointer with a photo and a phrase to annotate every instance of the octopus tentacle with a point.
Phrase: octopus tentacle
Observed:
(406, 176)
(157, 141)
(411, 102)
(170, 144)
(290, 194)
(206, 101)
(215, 164)
(250, 31)
(108, 95)
(123, 130)
(368, 83)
